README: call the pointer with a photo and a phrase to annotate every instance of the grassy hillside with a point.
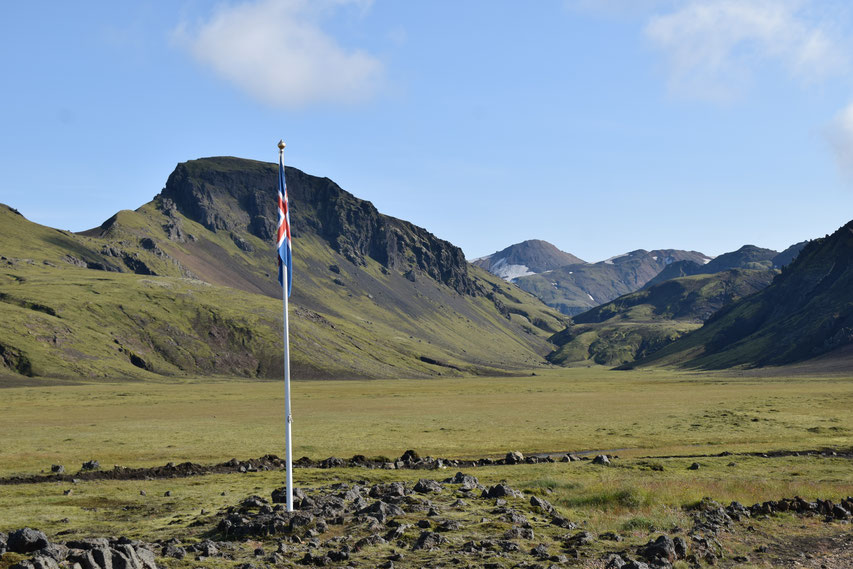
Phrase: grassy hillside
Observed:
(638, 324)
(806, 312)
(157, 292)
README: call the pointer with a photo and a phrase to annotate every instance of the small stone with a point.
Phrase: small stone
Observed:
(694, 466)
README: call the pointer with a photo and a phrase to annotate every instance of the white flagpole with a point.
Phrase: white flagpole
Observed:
(288, 416)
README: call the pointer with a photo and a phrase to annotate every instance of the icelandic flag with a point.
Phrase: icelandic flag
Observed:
(285, 253)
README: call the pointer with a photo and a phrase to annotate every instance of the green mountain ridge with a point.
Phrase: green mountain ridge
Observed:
(185, 285)
(640, 323)
(805, 313)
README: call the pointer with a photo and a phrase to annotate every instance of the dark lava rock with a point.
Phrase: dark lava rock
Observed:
(57, 469)
(500, 491)
(516, 532)
(694, 466)
(662, 548)
(425, 486)
(429, 540)
(540, 551)
(37, 562)
(610, 536)
(580, 538)
(562, 522)
(206, 549)
(380, 508)
(614, 561)
(279, 495)
(542, 504)
(86, 544)
(91, 465)
(26, 540)
(387, 492)
(514, 457)
(636, 565)
(410, 456)
(449, 525)
(467, 481)
(174, 551)
(601, 459)
(332, 462)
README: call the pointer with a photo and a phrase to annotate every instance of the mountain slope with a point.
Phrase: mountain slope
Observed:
(807, 311)
(529, 257)
(186, 285)
(576, 288)
(638, 324)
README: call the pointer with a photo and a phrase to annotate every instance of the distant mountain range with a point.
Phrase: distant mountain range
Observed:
(640, 323)
(577, 286)
(526, 258)
(806, 312)
(186, 285)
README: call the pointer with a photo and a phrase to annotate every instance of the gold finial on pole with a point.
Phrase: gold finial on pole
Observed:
(281, 146)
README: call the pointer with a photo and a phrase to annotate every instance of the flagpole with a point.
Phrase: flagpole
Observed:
(288, 416)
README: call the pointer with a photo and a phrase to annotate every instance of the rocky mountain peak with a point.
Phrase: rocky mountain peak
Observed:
(238, 196)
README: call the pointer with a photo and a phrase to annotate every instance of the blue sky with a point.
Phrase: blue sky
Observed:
(601, 127)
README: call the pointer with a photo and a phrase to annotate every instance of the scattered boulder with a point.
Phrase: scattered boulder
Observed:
(540, 551)
(514, 457)
(91, 465)
(542, 504)
(57, 469)
(429, 540)
(332, 462)
(601, 459)
(467, 481)
(661, 549)
(425, 486)
(26, 540)
(694, 466)
(501, 491)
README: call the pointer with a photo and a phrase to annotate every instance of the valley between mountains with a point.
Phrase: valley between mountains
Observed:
(185, 285)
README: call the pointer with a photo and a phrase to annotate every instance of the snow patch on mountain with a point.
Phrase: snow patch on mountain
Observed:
(508, 272)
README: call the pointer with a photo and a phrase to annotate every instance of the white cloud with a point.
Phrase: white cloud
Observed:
(277, 52)
(715, 46)
(840, 136)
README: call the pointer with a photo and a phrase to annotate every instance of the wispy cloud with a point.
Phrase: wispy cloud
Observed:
(277, 51)
(840, 136)
(714, 47)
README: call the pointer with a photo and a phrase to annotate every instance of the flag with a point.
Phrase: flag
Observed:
(285, 253)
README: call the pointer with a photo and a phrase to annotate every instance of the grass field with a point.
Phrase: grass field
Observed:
(580, 409)
(656, 421)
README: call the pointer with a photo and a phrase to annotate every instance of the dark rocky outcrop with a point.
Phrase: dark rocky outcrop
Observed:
(234, 195)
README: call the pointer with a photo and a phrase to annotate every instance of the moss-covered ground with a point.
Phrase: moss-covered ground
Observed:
(658, 423)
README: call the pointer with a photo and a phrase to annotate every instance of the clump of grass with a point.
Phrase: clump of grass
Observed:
(630, 498)
(639, 523)
(549, 483)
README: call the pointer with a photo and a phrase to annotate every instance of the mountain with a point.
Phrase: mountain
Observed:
(186, 285)
(638, 324)
(573, 289)
(806, 312)
(529, 257)
(788, 255)
(747, 257)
